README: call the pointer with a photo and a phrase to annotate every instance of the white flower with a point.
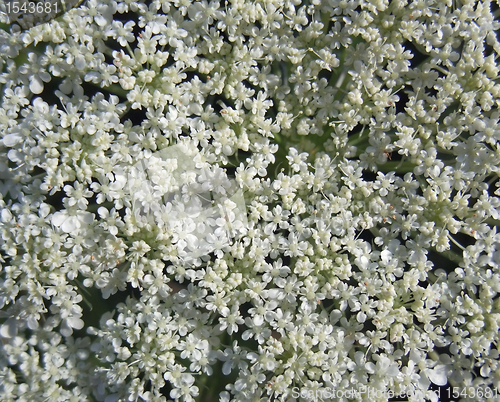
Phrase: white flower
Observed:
(36, 73)
(71, 221)
(231, 321)
(232, 357)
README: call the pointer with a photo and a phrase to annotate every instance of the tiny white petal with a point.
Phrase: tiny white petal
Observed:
(12, 139)
(438, 375)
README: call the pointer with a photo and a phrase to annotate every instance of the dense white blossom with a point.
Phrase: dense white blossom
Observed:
(250, 201)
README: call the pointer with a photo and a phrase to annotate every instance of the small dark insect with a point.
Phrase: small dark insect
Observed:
(25, 14)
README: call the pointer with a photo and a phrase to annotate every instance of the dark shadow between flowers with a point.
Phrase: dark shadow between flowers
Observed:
(95, 306)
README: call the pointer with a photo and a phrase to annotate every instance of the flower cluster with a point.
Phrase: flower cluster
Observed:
(181, 198)
(250, 201)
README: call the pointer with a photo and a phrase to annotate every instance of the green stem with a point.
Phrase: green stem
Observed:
(95, 207)
(452, 256)
(117, 90)
(397, 166)
(358, 139)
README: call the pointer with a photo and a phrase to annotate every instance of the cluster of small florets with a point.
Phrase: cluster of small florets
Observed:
(251, 201)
